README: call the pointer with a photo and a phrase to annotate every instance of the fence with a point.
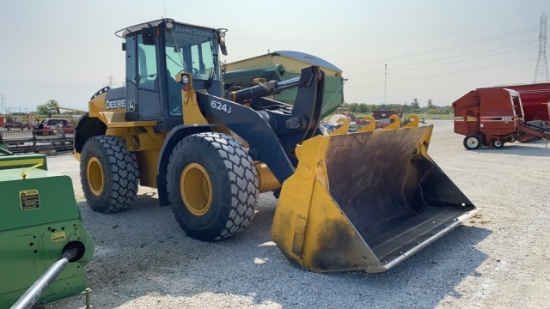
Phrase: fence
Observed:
(21, 141)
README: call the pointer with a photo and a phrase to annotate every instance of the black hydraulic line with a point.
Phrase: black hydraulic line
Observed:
(265, 89)
(535, 127)
(33, 293)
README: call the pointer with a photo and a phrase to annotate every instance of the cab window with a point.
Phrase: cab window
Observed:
(147, 66)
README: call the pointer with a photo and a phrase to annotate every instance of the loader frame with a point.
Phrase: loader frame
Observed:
(210, 156)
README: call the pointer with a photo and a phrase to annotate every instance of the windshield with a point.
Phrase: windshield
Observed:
(191, 50)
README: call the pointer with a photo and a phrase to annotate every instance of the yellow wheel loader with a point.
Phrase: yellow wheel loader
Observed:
(360, 201)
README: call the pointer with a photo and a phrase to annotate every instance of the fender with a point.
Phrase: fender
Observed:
(87, 127)
(176, 134)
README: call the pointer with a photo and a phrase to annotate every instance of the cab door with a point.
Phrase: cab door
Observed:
(142, 80)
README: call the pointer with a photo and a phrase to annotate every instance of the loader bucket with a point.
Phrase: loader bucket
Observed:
(365, 201)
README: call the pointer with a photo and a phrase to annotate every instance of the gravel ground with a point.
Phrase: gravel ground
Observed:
(499, 259)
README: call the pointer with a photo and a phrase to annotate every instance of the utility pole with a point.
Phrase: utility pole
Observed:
(2, 102)
(385, 81)
(111, 81)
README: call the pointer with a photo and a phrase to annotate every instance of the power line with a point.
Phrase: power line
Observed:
(448, 47)
(506, 21)
(432, 62)
(459, 61)
(481, 68)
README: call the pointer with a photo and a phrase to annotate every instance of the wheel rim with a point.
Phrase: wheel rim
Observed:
(498, 144)
(94, 174)
(196, 189)
(472, 142)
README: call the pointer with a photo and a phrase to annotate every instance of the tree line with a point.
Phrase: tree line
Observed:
(49, 108)
(407, 107)
(52, 107)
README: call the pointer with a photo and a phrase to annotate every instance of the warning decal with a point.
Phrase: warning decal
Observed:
(29, 199)
(58, 236)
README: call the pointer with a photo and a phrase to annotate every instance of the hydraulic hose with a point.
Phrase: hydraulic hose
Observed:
(27, 300)
(262, 90)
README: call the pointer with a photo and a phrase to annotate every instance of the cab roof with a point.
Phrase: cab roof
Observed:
(151, 24)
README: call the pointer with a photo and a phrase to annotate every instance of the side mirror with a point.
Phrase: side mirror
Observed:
(148, 36)
(221, 40)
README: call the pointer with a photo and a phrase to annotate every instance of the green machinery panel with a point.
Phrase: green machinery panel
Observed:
(332, 98)
(20, 161)
(39, 218)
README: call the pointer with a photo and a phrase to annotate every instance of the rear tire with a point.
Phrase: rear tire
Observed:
(473, 141)
(212, 186)
(497, 143)
(108, 173)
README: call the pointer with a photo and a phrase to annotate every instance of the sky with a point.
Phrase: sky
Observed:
(390, 51)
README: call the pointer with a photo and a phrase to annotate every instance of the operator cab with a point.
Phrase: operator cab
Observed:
(156, 52)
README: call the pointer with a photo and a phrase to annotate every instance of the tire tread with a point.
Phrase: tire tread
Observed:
(124, 173)
(242, 177)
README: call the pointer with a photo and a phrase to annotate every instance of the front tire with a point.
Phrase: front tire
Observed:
(212, 186)
(473, 141)
(108, 173)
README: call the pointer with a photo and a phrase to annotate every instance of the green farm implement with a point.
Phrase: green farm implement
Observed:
(44, 243)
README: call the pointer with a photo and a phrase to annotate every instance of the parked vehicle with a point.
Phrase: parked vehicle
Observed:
(494, 116)
(54, 126)
(14, 122)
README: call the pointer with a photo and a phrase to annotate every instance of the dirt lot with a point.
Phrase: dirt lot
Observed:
(499, 259)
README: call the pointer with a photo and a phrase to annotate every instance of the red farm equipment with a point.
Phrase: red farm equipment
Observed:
(535, 98)
(493, 116)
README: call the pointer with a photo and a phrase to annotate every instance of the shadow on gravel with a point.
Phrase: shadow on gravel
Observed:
(143, 259)
(523, 150)
(431, 274)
